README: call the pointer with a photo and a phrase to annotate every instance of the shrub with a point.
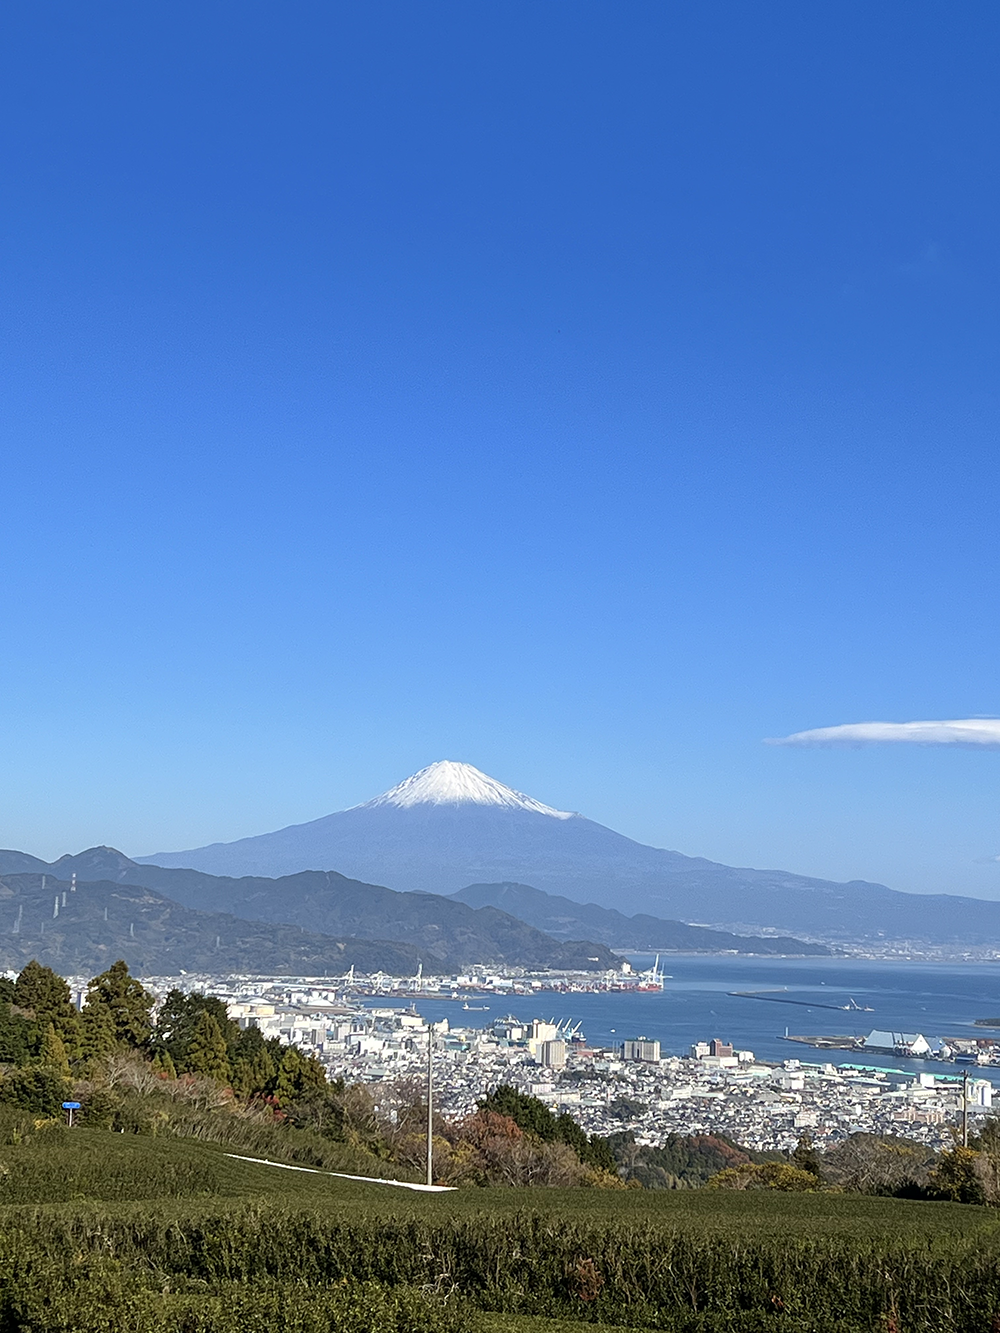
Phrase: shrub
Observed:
(37, 1089)
(765, 1176)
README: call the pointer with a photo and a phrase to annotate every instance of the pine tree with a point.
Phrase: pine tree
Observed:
(15, 1036)
(98, 1037)
(41, 992)
(312, 1075)
(128, 1004)
(163, 1064)
(287, 1082)
(171, 1022)
(254, 1060)
(253, 1073)
(53, 1051)
(206, 1054)
(298, 1077)
(178, 1017)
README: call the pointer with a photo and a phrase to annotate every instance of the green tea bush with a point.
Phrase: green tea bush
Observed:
(115, 1231)
(358, 1308)
(83, 1276)
(102, 1297)
(533, 1264)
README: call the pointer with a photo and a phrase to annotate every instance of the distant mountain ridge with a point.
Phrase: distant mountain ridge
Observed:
(445, 934)
(101, 921)
(450, 826)
(559, 917)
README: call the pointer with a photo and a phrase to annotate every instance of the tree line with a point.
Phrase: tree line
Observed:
(49, 1041)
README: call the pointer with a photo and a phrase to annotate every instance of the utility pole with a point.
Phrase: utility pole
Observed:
(430, 1103)
(965, 1108)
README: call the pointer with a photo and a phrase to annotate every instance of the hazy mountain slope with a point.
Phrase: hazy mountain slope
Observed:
(449, 826)
(103, 921)
(441, 929)
(20, 863)
(560, 917)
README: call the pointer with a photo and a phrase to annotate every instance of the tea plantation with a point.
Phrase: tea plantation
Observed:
(108, 1231)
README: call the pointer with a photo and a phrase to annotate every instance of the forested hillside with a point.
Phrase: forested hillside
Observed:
(316, 923)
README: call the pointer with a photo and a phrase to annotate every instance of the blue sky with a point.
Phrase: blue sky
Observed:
(587, 392)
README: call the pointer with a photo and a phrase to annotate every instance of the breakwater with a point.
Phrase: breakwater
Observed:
(787, 999)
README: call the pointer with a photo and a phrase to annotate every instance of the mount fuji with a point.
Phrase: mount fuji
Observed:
(450, 826)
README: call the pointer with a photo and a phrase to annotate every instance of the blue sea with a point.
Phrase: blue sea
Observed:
(937, 999)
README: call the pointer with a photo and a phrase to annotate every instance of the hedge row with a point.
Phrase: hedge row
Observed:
(638, 1274)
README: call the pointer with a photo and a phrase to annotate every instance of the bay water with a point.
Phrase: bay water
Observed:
(936, 999)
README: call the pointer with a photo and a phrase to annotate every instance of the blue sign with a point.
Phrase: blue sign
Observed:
(71, 1106)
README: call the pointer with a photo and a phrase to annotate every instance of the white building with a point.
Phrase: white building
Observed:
(553, 1054)
(642, 1049)
(897, 1043)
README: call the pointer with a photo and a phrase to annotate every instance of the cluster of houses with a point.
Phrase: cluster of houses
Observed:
(632, 1085)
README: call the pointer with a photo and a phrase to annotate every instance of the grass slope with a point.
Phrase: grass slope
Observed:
(59, 1165)
(88, 1165)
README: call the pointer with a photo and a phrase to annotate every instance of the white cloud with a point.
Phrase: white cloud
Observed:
(972, 731)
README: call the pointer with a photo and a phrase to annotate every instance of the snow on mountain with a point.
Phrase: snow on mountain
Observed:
(451, 783)
(450, 825)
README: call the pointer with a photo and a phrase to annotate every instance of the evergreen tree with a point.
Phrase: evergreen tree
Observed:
(527, 1112)
(53, 1052)
(98, 1035)
(805, 1156)
(206, 1054)
(15, 1036)
(297, 1076)
(534, 1117)
(252, 1076)
(250, 1042)
(252, 1062)
(217, 1008)
(127, 1003)
(36, 1089)
(41, 992)
(178, 1018)
(173, 1028)
(313, 1075)
(163, 1064)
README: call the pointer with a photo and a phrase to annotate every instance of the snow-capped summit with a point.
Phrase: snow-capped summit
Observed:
(451, 783)
(450, 826)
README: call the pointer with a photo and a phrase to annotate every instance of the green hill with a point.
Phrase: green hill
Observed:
(160, 920)
(211, 1186)
(104, 1231)
(56, 1165)
(101, 921)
